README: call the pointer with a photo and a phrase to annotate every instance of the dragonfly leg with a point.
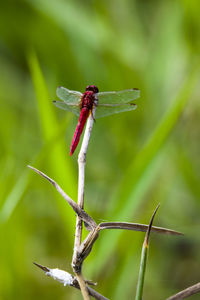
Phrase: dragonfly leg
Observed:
(93, 116)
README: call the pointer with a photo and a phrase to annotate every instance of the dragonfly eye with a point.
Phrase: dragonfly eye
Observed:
(92, 88)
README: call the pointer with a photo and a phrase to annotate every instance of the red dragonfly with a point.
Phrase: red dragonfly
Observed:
(106, 103)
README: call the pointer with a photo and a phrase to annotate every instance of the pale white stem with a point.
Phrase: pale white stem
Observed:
(83, 286)
(81, 178)
(81, 187)
(82, 158)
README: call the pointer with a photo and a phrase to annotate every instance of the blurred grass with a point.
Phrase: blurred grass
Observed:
(137, 179)
(58, 160)
(135, 160)
(14, 196)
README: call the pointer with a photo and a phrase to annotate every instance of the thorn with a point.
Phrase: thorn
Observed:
(146, 240)
(90, 282)
(45, 269)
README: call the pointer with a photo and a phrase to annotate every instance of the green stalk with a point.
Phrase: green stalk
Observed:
(143, 260)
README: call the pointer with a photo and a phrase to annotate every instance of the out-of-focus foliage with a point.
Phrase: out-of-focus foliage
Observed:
(135, 159)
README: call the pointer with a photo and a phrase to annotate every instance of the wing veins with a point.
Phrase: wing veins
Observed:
(122, 97)
(115, 105)
(66, 104)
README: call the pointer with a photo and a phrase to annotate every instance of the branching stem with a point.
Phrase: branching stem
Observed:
(81, 188)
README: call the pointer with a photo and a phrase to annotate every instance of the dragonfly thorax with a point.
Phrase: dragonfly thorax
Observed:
(88, 99)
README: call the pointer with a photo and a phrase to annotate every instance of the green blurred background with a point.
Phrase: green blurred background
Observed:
(135, 159)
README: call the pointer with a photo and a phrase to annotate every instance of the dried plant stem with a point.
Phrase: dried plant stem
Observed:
(194, 289)
(68, 280)
(81, 187)
(83, 287)
(86, 246)
(82, 249)
(80, 212)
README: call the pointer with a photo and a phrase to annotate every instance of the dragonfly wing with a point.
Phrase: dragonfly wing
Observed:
(119, 97)
(69, 106)
(68, 96)
(107, 110)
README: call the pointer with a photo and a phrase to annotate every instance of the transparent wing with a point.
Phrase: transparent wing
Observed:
(119, 97)
(68, 96)
(107, 110)
(74, 108)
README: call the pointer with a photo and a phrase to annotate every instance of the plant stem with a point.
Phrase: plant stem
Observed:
(81, 187)
(192, 290)
(67, 279)
(143, 262)
(83, 287)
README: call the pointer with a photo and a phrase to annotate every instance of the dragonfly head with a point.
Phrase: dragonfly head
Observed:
(92, 88)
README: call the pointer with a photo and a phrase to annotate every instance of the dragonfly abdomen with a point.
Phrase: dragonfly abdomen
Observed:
(79, 129)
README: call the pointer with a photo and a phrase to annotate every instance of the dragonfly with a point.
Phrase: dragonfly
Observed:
(82, 104)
